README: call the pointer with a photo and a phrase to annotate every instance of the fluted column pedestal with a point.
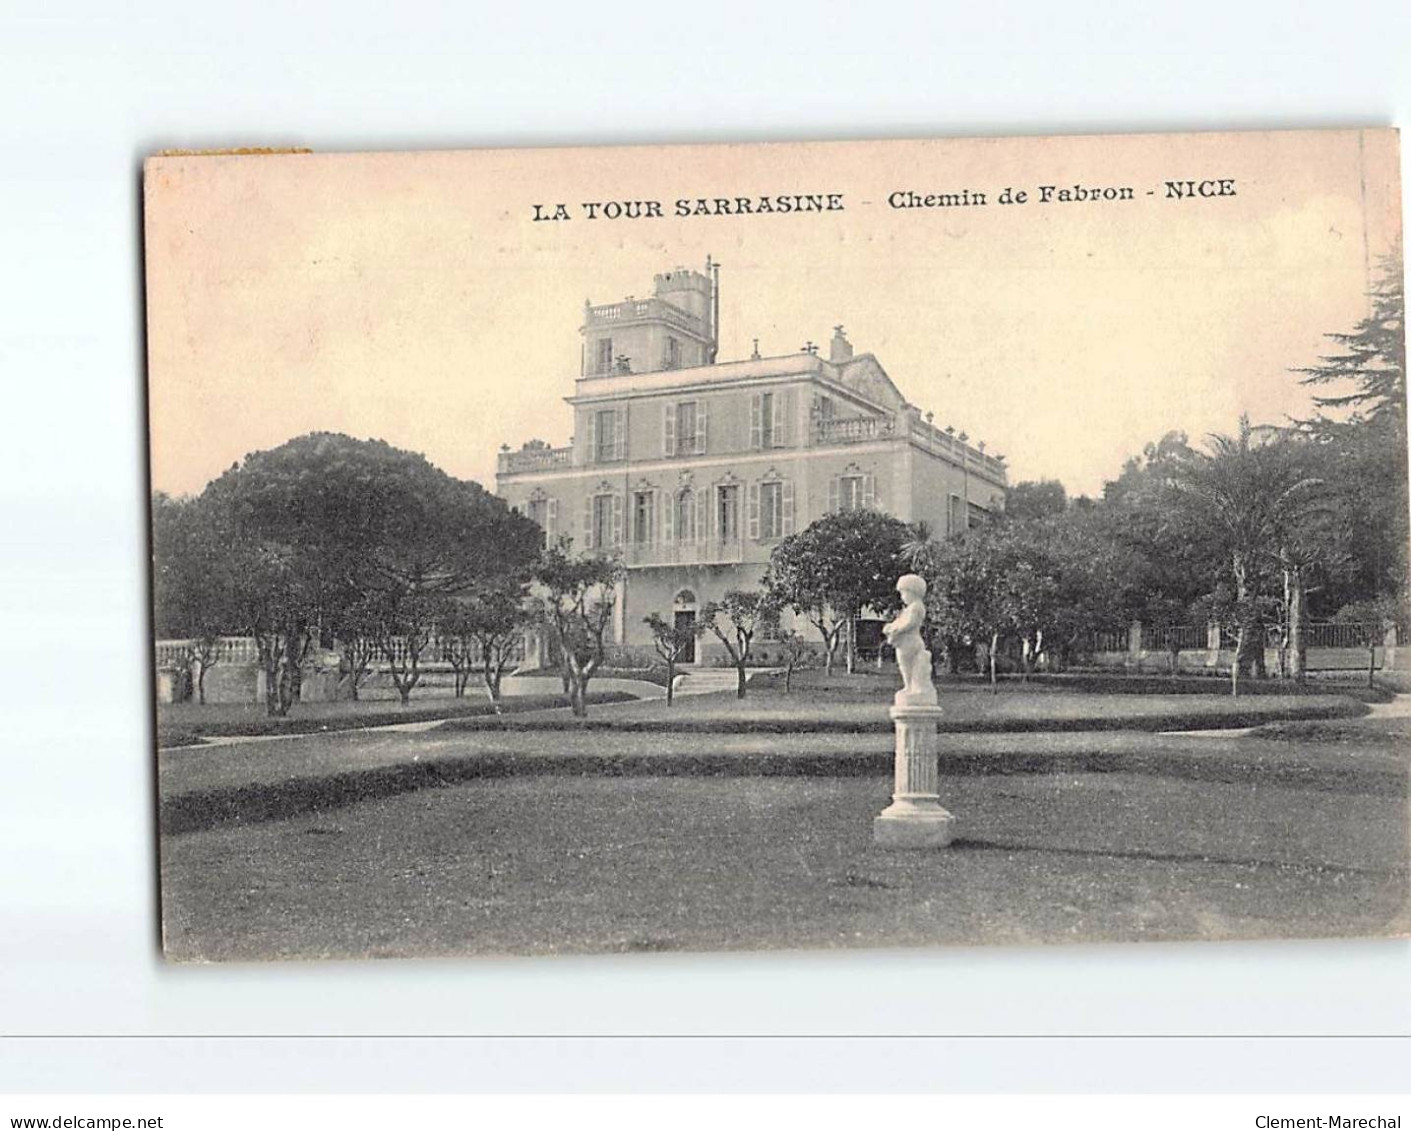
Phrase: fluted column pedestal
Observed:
(915, 818)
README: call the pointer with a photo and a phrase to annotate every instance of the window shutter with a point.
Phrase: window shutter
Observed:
(780, 429)
(755, 427)
(712, 522)
(669, 428)
(553, 524)
(669, 523)
(652, 518)
(701, 437)
(588, 523)
(692, 515)
(869, 492)
(754, 512)
(592, 436)
(616, 534)
(619, 434)
(833, 486)
(788, 507)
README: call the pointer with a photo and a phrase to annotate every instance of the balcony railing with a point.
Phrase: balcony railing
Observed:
(857, 430)
(645, 308)
(700, 551)
(228, 650)
(535, 459)
(938, 441)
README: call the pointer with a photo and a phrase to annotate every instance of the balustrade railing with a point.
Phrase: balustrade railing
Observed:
(853, 430)
(228, 650)
(700, 551)
(645, 308)
(535, 459)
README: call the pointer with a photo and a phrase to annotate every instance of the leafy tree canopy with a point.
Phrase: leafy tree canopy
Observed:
(377, 515)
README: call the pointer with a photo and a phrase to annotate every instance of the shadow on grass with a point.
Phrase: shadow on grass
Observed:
(198, 810)
(977, 845)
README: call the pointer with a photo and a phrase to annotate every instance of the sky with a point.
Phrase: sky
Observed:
(413, 298)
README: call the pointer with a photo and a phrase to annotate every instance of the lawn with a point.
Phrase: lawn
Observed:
(1170, 838)
(1077, 822)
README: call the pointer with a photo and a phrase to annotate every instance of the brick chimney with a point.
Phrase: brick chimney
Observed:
(839, 349)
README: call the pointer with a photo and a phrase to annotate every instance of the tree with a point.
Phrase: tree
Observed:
(1371, 620)
(459, 648)
(671, 642)
(797, 587)
(1163, 565)
(745, 613)
(484, 627)
(577, 600)
(1045, 498)
(842, 564)
(194, 580)
(1369, 371)
(326, 524)
(404, 628)
(996, 582)
(384, 518)
(1251, 497)
(795, 651)
(280, 603)
(354, 623)
(1365, 440)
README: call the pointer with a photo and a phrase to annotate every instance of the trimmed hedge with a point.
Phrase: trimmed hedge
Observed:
(199, 810)
(183, 733)
(1225, 718)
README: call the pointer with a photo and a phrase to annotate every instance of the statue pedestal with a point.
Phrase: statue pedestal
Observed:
(915, 818)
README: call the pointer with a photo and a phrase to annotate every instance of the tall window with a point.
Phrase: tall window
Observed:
(642, 509)
(850, 492)
(727, 521)
(770, 414)
(686, 427)
(673, 353)
(604, 355)
(766, 420)
(606, 436)
(602, 521)
(686, 516)
(771, 510)
(955, 515)
(539, 512)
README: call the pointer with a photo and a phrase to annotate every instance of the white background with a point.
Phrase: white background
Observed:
(88, 90)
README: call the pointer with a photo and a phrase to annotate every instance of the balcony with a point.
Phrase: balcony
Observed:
(935, 440)
(635, 310)
(534, 459)
(701, 551)
(859, 430)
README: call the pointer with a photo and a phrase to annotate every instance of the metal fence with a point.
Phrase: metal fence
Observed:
(1197, 637)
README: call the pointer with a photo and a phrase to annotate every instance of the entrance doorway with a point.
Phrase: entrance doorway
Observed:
(686, 619)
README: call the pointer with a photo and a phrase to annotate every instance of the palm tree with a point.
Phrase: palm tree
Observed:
(1251, 493)
(918, 550)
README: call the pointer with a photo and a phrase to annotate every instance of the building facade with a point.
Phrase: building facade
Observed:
(693, 469)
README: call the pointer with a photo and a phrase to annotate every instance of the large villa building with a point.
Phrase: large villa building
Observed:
(692, 469)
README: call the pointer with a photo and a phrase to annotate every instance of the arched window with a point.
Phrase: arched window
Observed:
(682, 519)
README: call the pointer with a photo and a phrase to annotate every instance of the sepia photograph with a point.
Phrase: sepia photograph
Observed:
(779, 546)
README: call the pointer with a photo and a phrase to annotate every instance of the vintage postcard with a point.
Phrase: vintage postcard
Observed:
(853, 544)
